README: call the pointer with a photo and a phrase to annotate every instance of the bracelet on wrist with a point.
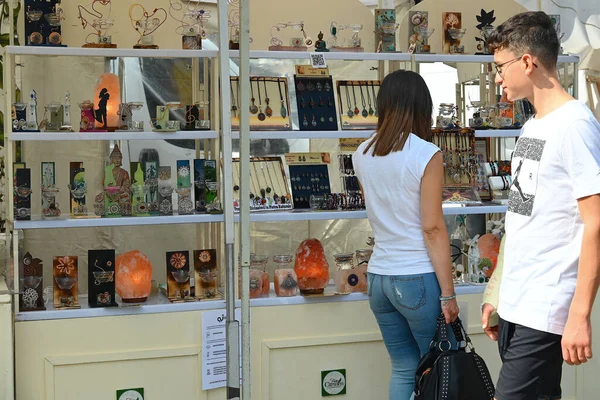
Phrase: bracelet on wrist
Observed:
(448, 298)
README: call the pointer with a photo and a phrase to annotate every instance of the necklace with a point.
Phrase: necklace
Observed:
(356, 111)
(374, 99)
(365, 113)
(272, 182)
(268, 109)
(234, 105)
(283, 110)
(262, 168)
(369, 100)
(261, 115)
(280, 187)
(253, 108)
(257, 187)
(236, 186)
(350, 113)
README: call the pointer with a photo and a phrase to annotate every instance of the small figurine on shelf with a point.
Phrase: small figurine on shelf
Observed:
(320, 44)
(485, 27)
(146, 24)
(191, 21)
(117, 188)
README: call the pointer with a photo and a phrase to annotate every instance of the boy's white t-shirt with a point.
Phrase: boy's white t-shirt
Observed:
(555, 163)
(392, 187)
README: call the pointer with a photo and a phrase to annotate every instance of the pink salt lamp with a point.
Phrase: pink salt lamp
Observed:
(133, 276)
(311, 267)
(489, 247)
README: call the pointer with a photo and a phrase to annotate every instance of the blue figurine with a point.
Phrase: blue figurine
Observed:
(321, 45)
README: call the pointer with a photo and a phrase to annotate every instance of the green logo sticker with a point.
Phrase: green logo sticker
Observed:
(130, 394)
(333, 382)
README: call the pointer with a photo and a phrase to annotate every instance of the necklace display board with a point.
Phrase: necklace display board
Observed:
(309, 176)
(266, 113)
(358, 104)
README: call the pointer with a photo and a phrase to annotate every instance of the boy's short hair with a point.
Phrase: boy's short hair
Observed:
(529, 32)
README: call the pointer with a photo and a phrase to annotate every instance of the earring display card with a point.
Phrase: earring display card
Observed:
(316, 103)
(65, 282)
(358, 104)
(49, 190)
(178, 275)
(268, 185)
(417, 21)
(139, 190)
(184, 188)
(101, 278)
(199, 186)
(31, 297)
(23, 194)
(151, 181)
(43, 21)
(205, 267)
(210, 180)
(269, 104)
(165, 191)
(308, 180)
(451, 24)
(78, 189)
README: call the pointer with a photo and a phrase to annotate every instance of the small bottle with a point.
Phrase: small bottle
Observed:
(346, 277)
(255, 281)
(259, 263)
(362, 260)
(285, 279)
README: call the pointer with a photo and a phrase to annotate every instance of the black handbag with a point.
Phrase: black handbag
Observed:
(448, 374)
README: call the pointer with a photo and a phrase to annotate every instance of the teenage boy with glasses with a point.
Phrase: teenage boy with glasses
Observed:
(551, 268)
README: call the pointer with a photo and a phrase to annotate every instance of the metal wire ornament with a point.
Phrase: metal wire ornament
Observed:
(101, 22)
(192, 18)
(275, 41)
(147, 23)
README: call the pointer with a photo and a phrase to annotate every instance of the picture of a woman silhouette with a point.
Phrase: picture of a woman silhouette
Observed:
(101, 113)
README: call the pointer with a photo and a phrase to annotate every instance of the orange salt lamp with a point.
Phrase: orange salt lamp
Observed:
(133, 276)
(489, 247)
(311, 267)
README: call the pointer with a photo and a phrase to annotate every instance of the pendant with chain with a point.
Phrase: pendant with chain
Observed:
(283, 110)
(350, 113)
(376, 113)
(253, 108)
(261, 115)
(268, 109)
(365, 113)
(356, 110)
(371, 112)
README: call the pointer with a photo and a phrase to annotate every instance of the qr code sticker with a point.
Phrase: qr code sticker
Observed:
(318, 60)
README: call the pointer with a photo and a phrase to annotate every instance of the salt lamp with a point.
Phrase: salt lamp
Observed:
(133, 276)
(489, 248)
(311, 267)
(107, 95)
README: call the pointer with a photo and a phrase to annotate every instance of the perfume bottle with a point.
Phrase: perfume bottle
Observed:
(346, 277)
(259, 263)
(32, 123)
(362, 260)
(285, 279)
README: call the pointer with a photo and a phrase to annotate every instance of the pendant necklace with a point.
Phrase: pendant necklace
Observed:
(261, 115)
(236, 187)
(262, 168)
(283, 110)
(300, 86)
(234, 104)
(268, 109)
(365, 113)
(253, 108)
(275, 196)
(314, 121)
(371, 112)
(276, 183)
(356, 110)
(255, 174)
(376, 113)
(350, 113)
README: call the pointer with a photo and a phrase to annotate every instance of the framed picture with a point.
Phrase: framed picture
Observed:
(463, 195)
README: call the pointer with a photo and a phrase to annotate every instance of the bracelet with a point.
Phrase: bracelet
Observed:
(448, 298)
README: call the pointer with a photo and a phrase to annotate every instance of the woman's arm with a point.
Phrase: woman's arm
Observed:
(436, 233)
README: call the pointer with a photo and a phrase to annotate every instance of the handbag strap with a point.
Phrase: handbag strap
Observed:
(441, 338)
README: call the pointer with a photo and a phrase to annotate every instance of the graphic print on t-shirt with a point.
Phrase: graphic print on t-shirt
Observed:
(525, 165)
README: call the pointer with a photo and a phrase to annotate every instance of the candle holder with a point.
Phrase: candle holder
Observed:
(336, 43)
(485, 27)
(457, 34)
(299, 41)
(163, 123)
(126, 121)
(43, 22)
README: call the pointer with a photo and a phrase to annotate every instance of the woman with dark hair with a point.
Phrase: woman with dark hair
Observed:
(410, 273)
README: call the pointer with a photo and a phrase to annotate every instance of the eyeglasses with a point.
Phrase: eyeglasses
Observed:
(507, 63)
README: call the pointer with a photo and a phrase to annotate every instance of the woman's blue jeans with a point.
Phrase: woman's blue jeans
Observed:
(406, 308)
